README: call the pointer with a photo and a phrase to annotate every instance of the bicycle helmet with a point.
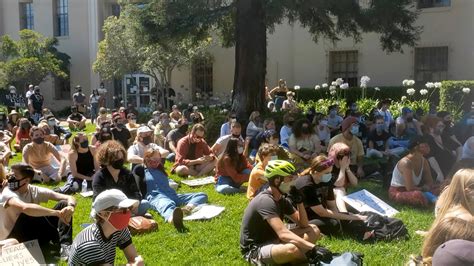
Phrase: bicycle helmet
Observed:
(277, 168)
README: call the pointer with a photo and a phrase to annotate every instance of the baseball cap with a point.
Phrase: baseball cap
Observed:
(454, 252)
(155, 113)
(144, 129)
(111, 198)
(406, 110)
(346, 123)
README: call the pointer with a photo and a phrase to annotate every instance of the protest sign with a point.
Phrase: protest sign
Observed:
(363, 200)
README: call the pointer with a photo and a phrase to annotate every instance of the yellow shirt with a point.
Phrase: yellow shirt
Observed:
(256, 180)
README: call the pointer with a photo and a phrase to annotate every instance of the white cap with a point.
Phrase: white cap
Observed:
(144, 129)
(111, 198)
(195, 108)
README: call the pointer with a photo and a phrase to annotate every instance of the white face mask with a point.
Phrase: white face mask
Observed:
(326, 177)
(285, 187)
(274, 157)
(324, 123)
(240, 150)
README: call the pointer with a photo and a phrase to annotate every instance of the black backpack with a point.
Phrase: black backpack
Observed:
(378, 227)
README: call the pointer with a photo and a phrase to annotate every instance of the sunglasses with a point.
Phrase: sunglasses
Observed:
(120, 210)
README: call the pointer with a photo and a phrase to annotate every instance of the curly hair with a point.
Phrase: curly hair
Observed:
(298, 126)
(108, 152)
(266, 149)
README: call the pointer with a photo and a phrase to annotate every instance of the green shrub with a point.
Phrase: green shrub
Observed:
(453, 99)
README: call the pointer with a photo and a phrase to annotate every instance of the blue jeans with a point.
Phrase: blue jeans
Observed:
(225, 185)
(171, 157)
(143, 207)
(165, 205)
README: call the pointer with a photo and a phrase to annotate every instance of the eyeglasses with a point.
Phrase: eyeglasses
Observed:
(119, 210)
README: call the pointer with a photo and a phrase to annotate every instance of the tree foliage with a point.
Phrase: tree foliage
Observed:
(30, 59)
(393, 20)
(124, 50)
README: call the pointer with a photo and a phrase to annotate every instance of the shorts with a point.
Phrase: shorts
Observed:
(51, 172)
(260, 255)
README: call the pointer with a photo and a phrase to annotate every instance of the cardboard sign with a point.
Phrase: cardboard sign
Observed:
(204, 212)
(363, 200)
(199, 181)
(26, 253)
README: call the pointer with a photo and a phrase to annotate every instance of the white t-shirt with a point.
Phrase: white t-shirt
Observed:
(8, 216)
(223, 142)
(139, 149)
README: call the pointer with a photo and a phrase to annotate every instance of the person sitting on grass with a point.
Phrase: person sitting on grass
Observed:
(111, 156)
(286, 129)
(232, 168)
(341, 154)
(76, 120)
(193, 156)
(272, 137)
(171, 141)
(103, 117)
(175, 114)
(457, 199)
(164, 199)
(303, 143)
(264, 238)
(162, 128)
(290, 105)
(97, 243)
(104, 135)
(143, 141)
(226, 127)
(22, 135)
(412, 183)
(266, 153)
(350, 130)
(23, 218)
(132, 125)
(39, 154)
(58, 130)
(48, 135)
(221, 143)
(316, 184)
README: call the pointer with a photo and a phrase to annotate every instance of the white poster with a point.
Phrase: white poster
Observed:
(199, 181)
(204, 212)
(26, 253)
(363, 200)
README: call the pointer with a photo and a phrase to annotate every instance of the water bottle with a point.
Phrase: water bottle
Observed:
(430, 197)
(84, 185)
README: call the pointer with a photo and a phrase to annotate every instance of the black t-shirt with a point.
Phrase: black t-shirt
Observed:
(315, 194)
(122, 136)
(443, 156)
(103, 180)
(76, 117)
(37, 102)
(174, 135)
(255, 230)
(378, 140)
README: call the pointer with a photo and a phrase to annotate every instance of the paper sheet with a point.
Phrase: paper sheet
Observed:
(26, 253)
(205, 212)
(363, 200)
(87, 194)
(199, 182)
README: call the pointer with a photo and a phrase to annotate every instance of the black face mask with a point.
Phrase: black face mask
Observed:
(235, 136)
(290, 123)
(409, 119)
(14, 184)
(118, 164)
(305, 130)
(120, 126)
(84, 144)
(38, 140)
(105, 138)
(147, 140)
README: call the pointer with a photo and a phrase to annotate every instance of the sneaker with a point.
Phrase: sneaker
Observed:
(187, 210)
(64, 253)
(148, 215)
(178, 219)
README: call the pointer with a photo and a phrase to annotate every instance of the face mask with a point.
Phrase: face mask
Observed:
(85, 144)
(326, 177)
(305, 130)
(37, 92)
(438, 131)
(235, 136)
(24, 126)
(104, 138)
(51, 123)
(119, 220)
(12, 92)
(14, 184)
(470, 121)
(380, 128)
(324, 123)
(240, 150)
(409, 119)
(118, 164)
(146, 140)
(156, 118)
(274, 157)
(233, 120)
(120, 126)
(38, 140)
(285, 187)
(355, 130)
(183, 129)
(133, 121)
(290, 123)
(103, 115)
(332, 113)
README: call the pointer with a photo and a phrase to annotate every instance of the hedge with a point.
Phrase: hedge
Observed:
(453, 99)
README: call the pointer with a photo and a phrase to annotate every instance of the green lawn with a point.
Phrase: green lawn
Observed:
(217, 241)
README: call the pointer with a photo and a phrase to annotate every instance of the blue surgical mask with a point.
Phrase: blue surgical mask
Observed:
(355, 130)
(470, 121)
(326, 177)
(380, 128)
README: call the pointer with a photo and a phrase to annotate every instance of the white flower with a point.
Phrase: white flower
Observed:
(344, 86)
(429, 85)
(320, 100)
(377, 88)
(317, 87)
(466, 90)
(423, 91)
(212, 106)
(339, 81)
(334, 83)
(404, 98)
(198, 95)
(411, 91)
(297, 87)
(325, 85)
(405, 82)
(437, 85)
(223, 111)
(332, 88)
(332, 92)
(411, 82)
(363, 81)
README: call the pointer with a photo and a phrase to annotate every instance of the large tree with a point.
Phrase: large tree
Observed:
(245, 23)
(30, 59)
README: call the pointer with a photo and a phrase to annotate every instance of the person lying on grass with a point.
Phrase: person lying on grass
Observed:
(316, 184)
(162, 197)
(264, 238)
(96, 244)
(232, 169)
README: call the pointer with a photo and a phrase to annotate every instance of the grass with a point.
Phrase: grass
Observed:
(217, 241)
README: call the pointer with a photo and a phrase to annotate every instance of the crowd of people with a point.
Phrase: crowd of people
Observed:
(301, 170)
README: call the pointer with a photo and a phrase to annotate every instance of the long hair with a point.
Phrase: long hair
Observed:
(318, 164)
(231, 152)
(446, 229)
(455, 195)
(298, 126)
(75, 141)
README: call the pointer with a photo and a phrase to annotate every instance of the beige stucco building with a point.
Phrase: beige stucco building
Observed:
(445, 51)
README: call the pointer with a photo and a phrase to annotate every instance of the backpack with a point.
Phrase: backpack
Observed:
(346, 259)
(378, 227)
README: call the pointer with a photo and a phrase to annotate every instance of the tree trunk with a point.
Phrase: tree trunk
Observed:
(250, 58)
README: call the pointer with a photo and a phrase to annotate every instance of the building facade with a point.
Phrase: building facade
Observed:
(444, 51)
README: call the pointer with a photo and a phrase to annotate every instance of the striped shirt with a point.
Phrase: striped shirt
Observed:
(90, 247)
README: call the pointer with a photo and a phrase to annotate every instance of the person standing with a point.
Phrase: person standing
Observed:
(94, 104)
(35, 103)
(79, 100)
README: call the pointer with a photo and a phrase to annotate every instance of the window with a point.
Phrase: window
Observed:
(62, 18)
(26, 16)
(433, 3)
(202, 76)
(343, 64)
(431, 64)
